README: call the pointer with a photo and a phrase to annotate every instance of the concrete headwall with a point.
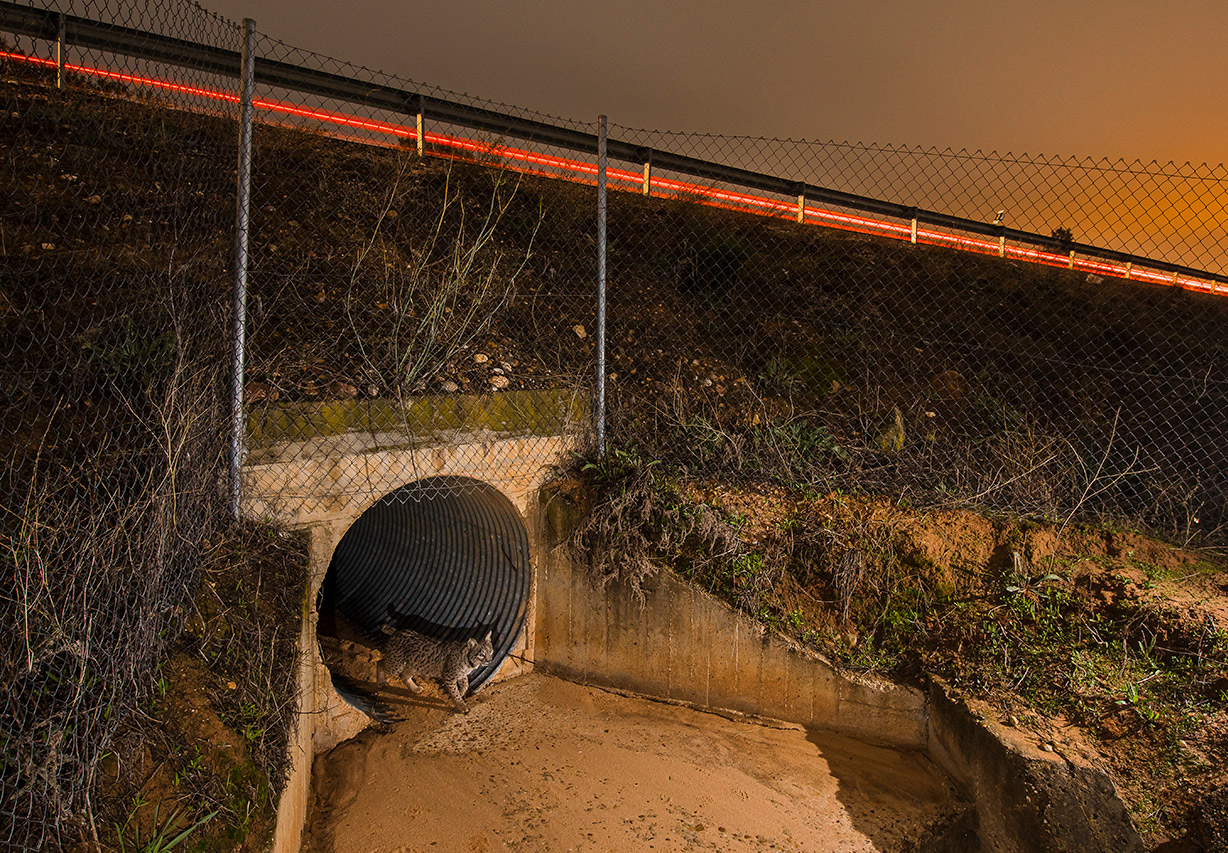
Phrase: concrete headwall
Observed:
(318, 466)
(679, 644)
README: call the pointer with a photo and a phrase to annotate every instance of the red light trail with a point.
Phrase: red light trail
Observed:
(553, 166)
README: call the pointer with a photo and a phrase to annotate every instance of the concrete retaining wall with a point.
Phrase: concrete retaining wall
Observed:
(685, 645)
(1028, 799)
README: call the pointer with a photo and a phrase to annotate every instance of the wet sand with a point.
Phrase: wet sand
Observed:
(542, 764)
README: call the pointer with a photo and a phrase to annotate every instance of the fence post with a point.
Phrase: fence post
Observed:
(238, 423)
(601, 246)
(801, 207)
(647, 177)
(419, 123)
(60, 49)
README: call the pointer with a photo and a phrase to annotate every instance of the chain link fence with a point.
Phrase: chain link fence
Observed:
(1000, 371)
(118, 222)
(1023, 334)
(411, 277)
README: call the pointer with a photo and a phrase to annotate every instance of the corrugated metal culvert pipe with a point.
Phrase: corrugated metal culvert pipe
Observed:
(445, 556)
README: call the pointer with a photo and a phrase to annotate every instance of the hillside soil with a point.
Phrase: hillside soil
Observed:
(544, 764)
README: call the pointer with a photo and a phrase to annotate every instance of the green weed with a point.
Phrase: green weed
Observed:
(128, 836)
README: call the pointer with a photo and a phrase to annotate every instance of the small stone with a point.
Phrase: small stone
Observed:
(949, 383)
(498, 382)
(231, 685)
(254, 392)
(342, 390)
(392, 214)
(481, 357)
(507, 368)
(579, 330)
(450, 387)
(94, 199)
(498, 371)
(1013, 721)
(891, 439)
(47, 246)
(1047, 747)
(372, 390)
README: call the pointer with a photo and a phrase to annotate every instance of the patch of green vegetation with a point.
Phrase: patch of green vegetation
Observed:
(167, 834)
(810, 374)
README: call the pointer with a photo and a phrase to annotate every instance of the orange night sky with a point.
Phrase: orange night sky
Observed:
(1130, 78)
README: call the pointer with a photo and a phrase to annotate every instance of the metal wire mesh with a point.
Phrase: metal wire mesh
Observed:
(406, 298)
(1167, 211)
(859, 360)
(949, 327)
(117, 214)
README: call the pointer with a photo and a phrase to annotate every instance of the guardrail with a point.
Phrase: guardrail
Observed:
(64, 30)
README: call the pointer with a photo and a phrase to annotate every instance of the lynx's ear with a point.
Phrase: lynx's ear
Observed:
(488, 633)
(472, 644)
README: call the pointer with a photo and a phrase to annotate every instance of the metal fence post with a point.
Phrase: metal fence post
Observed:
(60, 50)
(601, 246)
(238, 423)
(418, 122)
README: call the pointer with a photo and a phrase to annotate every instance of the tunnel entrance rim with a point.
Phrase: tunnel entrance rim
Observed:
(445, 556)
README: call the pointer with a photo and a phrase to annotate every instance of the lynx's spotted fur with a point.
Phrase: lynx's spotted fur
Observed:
(409, 654)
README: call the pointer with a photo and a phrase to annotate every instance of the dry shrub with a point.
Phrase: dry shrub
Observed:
(639, 522)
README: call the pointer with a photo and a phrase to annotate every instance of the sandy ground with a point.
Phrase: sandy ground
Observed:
(543, 765)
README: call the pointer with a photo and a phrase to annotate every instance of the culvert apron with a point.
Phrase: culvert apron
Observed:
(446, 556)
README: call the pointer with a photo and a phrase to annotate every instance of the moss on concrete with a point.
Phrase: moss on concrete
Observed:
(546, 411)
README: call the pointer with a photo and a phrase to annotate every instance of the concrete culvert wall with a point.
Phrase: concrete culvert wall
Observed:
(447, 557)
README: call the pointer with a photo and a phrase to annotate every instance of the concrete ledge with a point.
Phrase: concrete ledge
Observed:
(281, 431)
(1028, 800)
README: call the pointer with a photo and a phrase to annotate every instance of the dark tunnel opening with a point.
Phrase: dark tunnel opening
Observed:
(447, 557)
